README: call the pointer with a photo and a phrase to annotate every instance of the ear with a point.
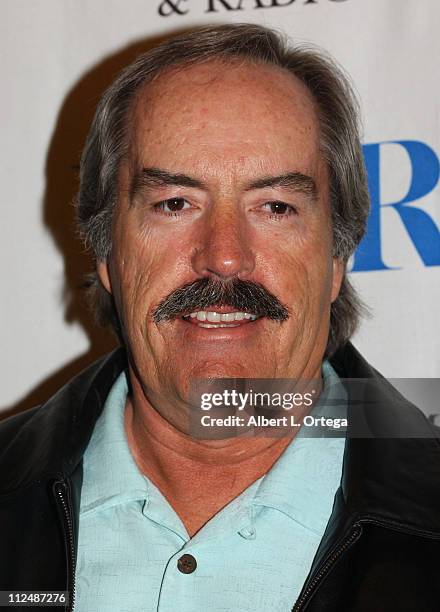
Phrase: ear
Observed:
(103, 274)
(338, 275)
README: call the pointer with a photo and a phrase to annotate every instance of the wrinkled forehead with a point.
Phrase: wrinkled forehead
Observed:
(226, 116)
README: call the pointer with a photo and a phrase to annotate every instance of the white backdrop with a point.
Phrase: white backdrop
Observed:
(58, 55)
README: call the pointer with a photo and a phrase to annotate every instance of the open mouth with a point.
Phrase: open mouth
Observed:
(213, 319)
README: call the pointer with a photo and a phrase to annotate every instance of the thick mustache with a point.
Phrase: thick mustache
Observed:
(243, 296)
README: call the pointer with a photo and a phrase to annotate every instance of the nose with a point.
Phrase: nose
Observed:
(223, 247)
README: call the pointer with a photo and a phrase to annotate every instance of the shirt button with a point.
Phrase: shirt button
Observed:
(186, 564)
(248, 533)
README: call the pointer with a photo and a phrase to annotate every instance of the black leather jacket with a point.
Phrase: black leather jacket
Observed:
(381, 549)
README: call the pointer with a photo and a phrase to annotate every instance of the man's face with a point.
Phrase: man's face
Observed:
(225, 180)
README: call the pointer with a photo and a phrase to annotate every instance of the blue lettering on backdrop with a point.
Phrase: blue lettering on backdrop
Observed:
(422, 230)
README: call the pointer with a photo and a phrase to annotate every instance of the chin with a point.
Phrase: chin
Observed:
(223, 370)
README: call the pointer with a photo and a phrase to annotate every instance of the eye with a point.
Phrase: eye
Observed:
(172, 205)
(279, 209)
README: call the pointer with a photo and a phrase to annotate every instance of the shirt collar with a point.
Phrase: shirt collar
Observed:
(307, 473)
(111, 476)
(303, 481)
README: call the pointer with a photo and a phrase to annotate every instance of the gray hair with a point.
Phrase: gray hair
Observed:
(108, 141)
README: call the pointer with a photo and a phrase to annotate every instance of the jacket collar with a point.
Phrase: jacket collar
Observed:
(393, 480)
(393, 475)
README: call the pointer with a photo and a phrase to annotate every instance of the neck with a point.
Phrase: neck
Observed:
(198, 477)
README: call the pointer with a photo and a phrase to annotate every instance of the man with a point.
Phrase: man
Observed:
(222, 192)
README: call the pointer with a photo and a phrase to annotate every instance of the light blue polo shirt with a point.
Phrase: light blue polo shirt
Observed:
(254, 554)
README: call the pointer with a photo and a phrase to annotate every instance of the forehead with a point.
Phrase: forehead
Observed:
(220, 116)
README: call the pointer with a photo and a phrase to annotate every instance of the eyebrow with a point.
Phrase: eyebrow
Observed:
(294, 181)
(156, 177)
(149, 178)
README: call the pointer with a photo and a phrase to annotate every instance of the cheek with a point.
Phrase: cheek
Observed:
(132, 267)
(298, 264)
(148, 264)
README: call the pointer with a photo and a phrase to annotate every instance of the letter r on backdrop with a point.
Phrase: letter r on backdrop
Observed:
(421, 228)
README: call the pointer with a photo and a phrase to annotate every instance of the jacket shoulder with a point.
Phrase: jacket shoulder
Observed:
(10, 426)
(51, 437)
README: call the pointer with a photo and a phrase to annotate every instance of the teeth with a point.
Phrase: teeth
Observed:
(217, 317)
(208, 325)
